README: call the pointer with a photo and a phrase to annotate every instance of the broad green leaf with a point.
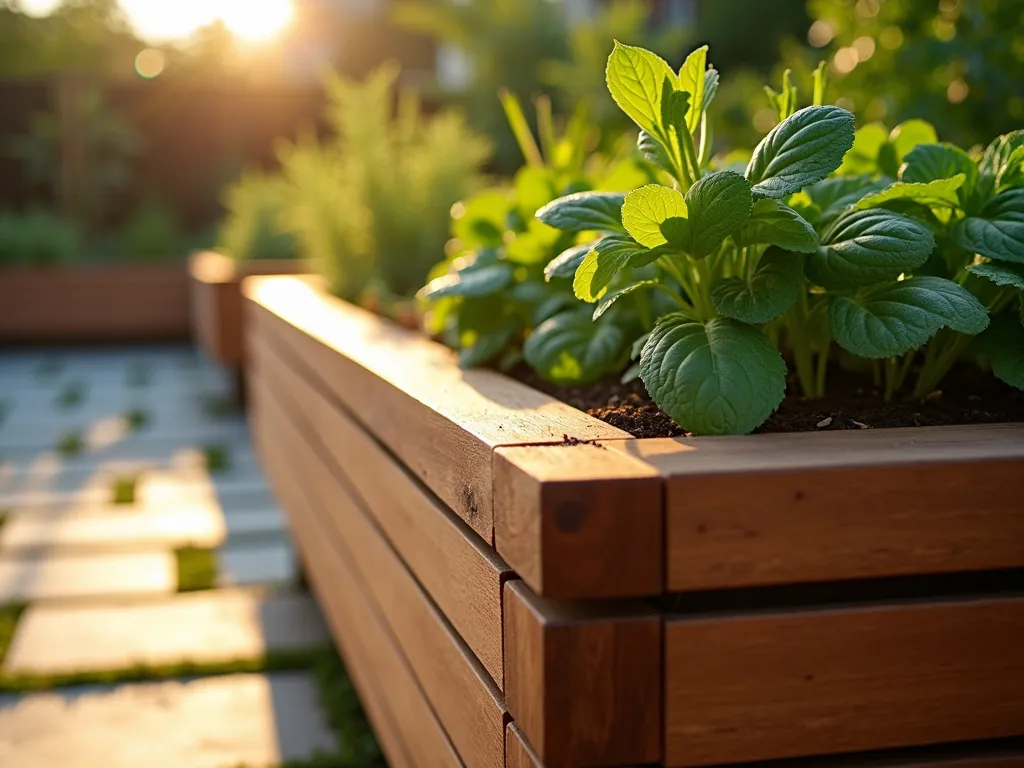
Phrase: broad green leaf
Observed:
(909, 134)
(607, 302)
(1012, 173)
(534, 187)
(938, 192)
(567, 262)
(480, 222)
(604, 261)
(997, 161)
(772, 223)
(471, 281)
(892, 319)
(1003, 345)
(551, 306)
(801, 150)
(998, 231)
(867, 247)
(532, 246)
(652, 149)
(863, 155)
(635, 79)
(766, 293)
(834, 195)
(716, 206)
(710, 88)
(485, 347)
(692, 80)
(570, 348)
(1000, 273)
(928, 162)
(585, 211)
(645, 209)
(722, 378)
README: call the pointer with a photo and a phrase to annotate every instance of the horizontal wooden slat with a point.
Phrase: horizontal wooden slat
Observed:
(518, 752)
(466, 702)
(764, 686)
(461, 574)
(583, 680)
(94, 303)
(410, 393)
(774, 509)
(578, 521)
(369, 658)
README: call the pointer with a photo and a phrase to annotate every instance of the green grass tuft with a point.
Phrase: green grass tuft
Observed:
(9, 615)
(124, 489)
(197, 569)
(70, 444)
(217, 458)
(72, 395)
(136, 419)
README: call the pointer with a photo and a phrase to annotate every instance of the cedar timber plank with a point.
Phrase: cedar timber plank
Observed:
(582, 680)
(767, 686)
(466, 702)
(360, 656)
(518, 752)
(460, 573)
(410, 393)
(786, 508)
(579, 521)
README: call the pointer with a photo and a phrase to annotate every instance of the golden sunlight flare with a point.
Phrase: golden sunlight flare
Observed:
(254, 21)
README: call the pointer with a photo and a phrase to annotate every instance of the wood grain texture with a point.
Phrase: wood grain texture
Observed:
(411, 395)
(518, 752)
(579, 521)
(774, 509)
(763, 686)
(216, 301)
(362, 645)
(95, 303)
(466, 702)
(461, 574)
(582, 680)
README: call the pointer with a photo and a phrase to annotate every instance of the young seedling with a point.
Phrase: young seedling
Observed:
(217, 458)
(139, 374)
(70, 443)
(71, 396)
(136, 419)
(124, 489)
(197, 569)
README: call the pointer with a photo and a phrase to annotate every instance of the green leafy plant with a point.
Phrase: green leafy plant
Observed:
(509, 272)
(151, 233)
(37, 238)
(773, 253)
(253, 228)
(370, 207)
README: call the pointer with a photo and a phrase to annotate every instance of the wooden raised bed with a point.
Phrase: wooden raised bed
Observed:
(506, 597)
(215, 283)
(94, 303)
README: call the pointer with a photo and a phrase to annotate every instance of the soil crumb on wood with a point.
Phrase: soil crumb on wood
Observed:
(566, 440)
(968, 396)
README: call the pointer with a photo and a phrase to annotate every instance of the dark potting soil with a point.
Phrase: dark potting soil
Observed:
(968, 396)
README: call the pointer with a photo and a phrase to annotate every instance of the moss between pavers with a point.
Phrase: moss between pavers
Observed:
(70, 444)
(123, 489)
(71, 396)
(197, 569)
(4, 514)
(217, 458)
(9, 615)
(136, 419)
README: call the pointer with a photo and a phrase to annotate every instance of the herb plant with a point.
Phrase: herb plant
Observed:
(773, 254)
(253, 227)
(509, 272)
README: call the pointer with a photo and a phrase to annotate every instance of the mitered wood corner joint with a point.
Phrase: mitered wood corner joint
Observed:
(581, 520)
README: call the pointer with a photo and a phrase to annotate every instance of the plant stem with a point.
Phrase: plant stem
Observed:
(691, 153)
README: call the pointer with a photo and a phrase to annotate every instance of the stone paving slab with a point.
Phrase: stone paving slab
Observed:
(102, 434)
(138, 448)
(47, 576)
(186, 525)
(211, 626)
(255, 720)
(256, 563)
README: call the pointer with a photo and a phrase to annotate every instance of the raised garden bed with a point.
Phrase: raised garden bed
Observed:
(515, 583)
(215, 284)
(94, 303)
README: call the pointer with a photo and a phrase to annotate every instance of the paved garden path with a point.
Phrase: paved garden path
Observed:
(149, 607)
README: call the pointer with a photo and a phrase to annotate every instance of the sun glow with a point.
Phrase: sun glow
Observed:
(254, 21)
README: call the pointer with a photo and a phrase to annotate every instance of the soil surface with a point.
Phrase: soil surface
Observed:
(968, 396)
